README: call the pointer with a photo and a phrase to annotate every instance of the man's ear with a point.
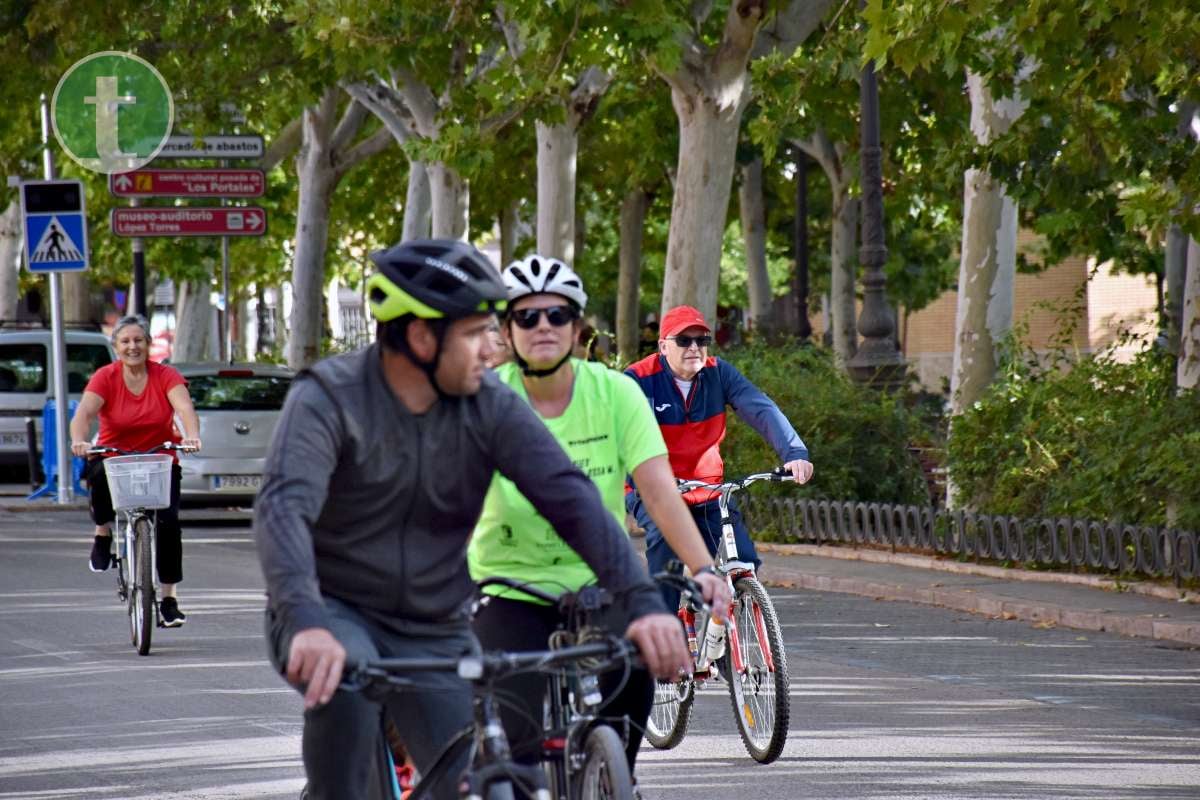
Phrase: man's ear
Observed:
(662, 347)
(421, 339)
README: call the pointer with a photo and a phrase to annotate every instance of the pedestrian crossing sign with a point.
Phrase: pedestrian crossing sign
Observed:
(55, 226)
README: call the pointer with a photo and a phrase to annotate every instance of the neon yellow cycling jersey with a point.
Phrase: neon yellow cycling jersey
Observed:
(607, 430)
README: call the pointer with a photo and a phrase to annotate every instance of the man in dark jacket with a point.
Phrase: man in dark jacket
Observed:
(374, 480)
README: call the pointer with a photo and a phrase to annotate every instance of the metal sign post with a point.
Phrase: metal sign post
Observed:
(55, 228)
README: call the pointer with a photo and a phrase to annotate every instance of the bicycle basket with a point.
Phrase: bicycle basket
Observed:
(142, 481)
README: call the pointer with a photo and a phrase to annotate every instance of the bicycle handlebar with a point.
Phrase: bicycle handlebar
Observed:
(482, 667)
(103, 450)
(779, 474)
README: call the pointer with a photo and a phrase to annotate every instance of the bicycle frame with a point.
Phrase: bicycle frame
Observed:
(731, 568)
(573, 693)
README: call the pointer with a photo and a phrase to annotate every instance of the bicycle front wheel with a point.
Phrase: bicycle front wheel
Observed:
(671, 712)
(759, 692)
(141, 590)
(605, 772)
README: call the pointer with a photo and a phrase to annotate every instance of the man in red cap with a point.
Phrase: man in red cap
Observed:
(689, 390)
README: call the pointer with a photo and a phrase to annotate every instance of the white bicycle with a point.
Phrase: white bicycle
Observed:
(747, 651)
(140, 484)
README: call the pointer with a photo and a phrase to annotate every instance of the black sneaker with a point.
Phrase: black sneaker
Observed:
(101, 558)
(172, 617)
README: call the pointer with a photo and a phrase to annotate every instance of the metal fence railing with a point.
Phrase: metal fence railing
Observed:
(1059, 542)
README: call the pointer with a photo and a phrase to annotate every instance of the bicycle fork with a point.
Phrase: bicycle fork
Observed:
(128, 537)
(498, 759)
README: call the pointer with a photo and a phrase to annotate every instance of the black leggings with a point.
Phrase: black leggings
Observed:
(169, 536)
(518, 625)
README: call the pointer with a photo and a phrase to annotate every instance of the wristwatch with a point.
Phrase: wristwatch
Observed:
(707, 568)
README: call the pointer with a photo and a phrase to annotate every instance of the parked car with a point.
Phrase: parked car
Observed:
(26, 383)
(238, 406)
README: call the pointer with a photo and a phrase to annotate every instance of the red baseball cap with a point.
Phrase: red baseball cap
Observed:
(680, 318)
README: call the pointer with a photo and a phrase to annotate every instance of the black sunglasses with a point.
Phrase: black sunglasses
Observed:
(686, 341)
(527, 318)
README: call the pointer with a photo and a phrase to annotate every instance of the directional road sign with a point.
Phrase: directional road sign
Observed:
(207, 221)
(187, 183)
(55, 225)
(247, 146)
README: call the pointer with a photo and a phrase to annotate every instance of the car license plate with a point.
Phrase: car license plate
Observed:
(12, 439)
(233, 482)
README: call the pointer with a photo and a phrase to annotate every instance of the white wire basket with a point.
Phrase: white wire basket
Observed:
(141, 481)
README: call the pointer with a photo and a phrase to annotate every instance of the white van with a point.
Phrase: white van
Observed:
(26, 381)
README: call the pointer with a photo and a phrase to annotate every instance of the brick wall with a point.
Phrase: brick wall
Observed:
(1105, 304)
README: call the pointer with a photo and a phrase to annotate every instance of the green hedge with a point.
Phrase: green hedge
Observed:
(1094, 439)
(858, 439)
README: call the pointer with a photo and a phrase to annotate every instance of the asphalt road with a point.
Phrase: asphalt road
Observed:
(889, 700)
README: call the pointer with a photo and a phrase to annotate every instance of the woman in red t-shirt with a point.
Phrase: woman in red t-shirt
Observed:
(136, 400)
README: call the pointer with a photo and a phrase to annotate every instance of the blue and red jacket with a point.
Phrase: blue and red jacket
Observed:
(694, 426)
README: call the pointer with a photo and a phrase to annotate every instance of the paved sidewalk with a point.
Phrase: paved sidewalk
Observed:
(1084, 602)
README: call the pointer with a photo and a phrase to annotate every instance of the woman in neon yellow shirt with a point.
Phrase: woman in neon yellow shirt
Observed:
(602, 420)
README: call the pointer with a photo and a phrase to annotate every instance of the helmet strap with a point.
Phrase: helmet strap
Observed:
(398, 340)
(538, 373)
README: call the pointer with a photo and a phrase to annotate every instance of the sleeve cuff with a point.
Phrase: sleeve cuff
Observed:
(642, 600)
(298, 618)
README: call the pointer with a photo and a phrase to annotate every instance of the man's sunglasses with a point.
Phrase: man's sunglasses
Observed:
(687, 341)
(527, 318)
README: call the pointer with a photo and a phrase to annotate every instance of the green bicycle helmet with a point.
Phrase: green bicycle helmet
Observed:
(437, 280)
(433, 279)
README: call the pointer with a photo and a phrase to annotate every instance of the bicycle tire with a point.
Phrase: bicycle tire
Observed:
(760, 697)
(141, 593)
(605, 771)
(672, 711)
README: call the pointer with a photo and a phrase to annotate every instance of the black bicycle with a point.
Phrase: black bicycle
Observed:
(582, 750)
(140, 484)
(493, 773)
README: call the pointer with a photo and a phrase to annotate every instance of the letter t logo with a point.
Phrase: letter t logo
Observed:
(106, 100)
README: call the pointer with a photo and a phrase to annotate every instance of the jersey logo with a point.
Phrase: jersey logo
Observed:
(663, 407)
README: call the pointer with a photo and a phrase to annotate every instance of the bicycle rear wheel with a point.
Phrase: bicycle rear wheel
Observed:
(605, 772)
(671, 712)
(761, 703)
(141, 589)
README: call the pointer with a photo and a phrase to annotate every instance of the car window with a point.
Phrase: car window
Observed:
(238, 393)
(82, 361)
(23, 367)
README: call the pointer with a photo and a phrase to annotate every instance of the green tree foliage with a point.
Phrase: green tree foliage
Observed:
(1100, 440)
(923, 127)
(1094, 162)
(858, 439)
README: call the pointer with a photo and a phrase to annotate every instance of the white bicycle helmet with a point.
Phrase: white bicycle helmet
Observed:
(541, 275)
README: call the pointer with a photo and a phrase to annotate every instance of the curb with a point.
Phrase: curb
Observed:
(28, 508)
(991, 605)
(983, 570)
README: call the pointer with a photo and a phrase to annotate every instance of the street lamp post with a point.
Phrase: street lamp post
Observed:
(877, 362)
(800, 285)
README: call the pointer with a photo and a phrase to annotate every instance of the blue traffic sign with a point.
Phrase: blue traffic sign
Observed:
(55, 224)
